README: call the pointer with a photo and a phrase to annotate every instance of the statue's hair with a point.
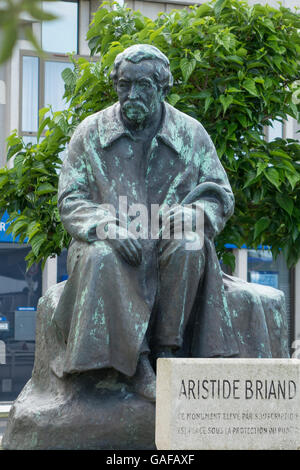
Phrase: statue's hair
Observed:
(139, 52)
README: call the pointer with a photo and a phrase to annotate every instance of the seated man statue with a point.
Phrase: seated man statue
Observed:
(129, 296)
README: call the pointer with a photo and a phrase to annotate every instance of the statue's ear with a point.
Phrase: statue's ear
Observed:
(164, 91)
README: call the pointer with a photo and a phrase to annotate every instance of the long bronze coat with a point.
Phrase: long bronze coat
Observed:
(105, 307)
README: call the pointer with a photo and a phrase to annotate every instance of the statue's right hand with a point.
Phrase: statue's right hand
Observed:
(127, 245)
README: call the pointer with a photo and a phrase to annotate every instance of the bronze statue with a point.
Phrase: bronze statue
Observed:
(130, 299)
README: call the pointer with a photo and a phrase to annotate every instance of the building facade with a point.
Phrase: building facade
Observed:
(28, 83)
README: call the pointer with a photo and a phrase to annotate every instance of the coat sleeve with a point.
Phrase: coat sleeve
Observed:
(79, 214)
(213, 192)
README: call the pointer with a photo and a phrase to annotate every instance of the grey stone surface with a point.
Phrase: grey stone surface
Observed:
(222, 404)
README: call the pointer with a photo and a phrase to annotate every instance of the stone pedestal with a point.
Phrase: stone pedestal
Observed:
(222, 404)
(89, 418)
(93, 410)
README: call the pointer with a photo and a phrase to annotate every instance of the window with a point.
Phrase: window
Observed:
(19, 294)
(41, 81)
(54, 84)
(30, 94)
(41, 85)
(61, 35)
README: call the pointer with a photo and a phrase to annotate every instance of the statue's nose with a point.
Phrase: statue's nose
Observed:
(133, 92)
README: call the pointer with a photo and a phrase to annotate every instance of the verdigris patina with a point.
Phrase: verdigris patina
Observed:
(133, 292)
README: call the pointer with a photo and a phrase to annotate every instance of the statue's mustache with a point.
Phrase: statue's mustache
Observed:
(136, 105)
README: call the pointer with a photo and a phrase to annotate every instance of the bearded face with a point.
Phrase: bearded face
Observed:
(138, 93)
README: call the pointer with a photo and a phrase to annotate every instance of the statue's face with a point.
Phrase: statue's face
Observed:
(139, 96)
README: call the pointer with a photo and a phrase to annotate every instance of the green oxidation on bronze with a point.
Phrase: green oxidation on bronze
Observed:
(234, 313)
(129, 301)
(278, 318)
(241, 337)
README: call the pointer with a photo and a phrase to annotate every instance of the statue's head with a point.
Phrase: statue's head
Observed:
(142, 79)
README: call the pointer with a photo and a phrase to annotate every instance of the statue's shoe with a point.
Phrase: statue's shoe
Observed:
(144, 380)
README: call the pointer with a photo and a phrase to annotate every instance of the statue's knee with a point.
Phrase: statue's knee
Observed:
(194, 242)
(190, 246)
(91, 255)
(100, 252)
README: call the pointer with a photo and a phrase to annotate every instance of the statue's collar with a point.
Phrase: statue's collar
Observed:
(111, 127)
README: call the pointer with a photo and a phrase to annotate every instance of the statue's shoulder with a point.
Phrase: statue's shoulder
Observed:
(91, 123)
(186, 123)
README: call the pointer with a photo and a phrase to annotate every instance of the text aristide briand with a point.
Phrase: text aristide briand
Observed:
(266, 389)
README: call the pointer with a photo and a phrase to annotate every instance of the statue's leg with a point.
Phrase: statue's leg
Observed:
(180, 270)
(102, 313)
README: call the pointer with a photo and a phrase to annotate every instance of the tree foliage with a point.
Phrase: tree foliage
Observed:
(235, 68)
(11, 12)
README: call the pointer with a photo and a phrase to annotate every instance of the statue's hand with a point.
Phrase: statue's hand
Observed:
(127, 245)
(179, 219)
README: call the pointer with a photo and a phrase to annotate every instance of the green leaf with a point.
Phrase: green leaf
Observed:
(156, 33)
(45, 188)
(173, 99)
(219, 6)
(13, 139)
(229, 259)
(17, 226)
(8, 41)
(42, 126)
(273, 176)
(13, 150)
(250, 86)
(269, 24)
(3, 180)
(261, 166)
(208, 101)
(260, 226)
(260, 155)
(280, 153)
(203, 10)
(236, 59)
(250, 179)
(109, 58)
(255, 64)
(226, 102)
(32, 229)
(293, 179)
(233, 90)
(37, 241)
(286, 203)
(187, 67)
(259, 80)
(69, 77)
(42, 112)
(242, 119)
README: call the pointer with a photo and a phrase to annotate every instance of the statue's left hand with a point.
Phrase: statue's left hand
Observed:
(127, 245)
(180, 218)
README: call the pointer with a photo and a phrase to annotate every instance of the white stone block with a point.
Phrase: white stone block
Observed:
(222, 404)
